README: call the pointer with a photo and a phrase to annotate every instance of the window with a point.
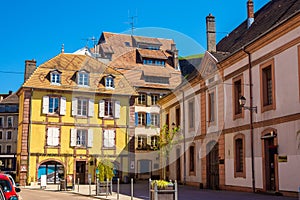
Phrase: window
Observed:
(109, 139)
(81, 137)
(54, 105)
(154, 142)
(8, 148)
(10, 121)
(191, 115)
(82, 107)
(155, 120)
(192, 158)
(267, 86)
(1, 121)
(0, 148)
(154, 99)
(83, 79)
(141, 99)
(237, 93)
(8, 135)
(1, 135)
(142, 142)
(142, 119)
(55, 77)
(53, 136)
(177, 112)
(109, 108)
(109, 82)
(239, 156)
(211, 107)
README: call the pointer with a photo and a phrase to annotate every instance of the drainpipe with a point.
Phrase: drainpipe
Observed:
(183, 129)
(29, 136)
(251, 118)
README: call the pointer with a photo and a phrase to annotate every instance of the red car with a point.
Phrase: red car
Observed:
(10, 192)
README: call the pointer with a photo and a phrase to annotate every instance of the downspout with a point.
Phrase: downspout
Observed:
(183, 129)
(251, 118)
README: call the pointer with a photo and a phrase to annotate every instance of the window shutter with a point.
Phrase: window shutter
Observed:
(136, 118)
(148, 118)
(63, 105)
(112, 136)
(105, 138)
(74, 106)
(45, 104)
(55, 136)
(50, 136)
(73, 137)
(90, 138)
(91, 108)
(101, 108)
(117, 109)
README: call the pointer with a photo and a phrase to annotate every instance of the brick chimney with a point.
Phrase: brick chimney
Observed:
(211, 33)
(175, 56)
(250, 13)
(30, 66)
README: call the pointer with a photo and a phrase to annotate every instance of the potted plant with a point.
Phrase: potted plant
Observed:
(163, 190)
(105, 175)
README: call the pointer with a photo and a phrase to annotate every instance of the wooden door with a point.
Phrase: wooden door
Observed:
(80, 171)
(212, 159)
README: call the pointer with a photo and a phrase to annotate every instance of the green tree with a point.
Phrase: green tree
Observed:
(167, 139)
(106, 171)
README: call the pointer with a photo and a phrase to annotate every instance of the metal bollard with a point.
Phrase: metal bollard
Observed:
(118, 189)
(149, 188)
(131, 188)
(176, 190)
(78, 185)
(106, 188)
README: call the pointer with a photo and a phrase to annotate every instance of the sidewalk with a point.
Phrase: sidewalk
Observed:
(84, 190)
(141, 192)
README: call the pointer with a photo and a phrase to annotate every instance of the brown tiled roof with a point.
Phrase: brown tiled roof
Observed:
(69, 65)
(11, 99)
(157, 71)
(269, 16)
(106, 48)
(146, 40)
(122, 43)
(147, 53)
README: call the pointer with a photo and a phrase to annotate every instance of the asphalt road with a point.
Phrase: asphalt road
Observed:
(28, 194)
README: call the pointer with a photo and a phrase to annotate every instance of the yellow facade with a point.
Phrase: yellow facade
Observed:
(64, 158)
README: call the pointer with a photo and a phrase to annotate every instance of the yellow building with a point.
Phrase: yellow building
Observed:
(74, 111)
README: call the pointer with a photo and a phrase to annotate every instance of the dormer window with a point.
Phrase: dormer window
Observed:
(154, 62)
(55, 77)
(83, 78)
(109, 82)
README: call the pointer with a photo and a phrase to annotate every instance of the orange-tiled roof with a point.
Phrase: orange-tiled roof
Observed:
(147, 40)
(68, 65)
(147, 53)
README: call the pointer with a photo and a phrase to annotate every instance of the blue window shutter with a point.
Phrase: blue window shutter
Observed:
(136, 119)
(148, 118)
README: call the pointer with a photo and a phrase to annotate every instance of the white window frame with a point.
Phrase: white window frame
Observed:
(82, 107)
(10, 135)
(62, 103)
(11, 120)
(6, 150)
(55, 78)
(53, 105)
(142, 117)
(109, 82)
(155, 119)
(81, 137)
(154, 99)
(109, 139)
(83, 79)
(109, 108)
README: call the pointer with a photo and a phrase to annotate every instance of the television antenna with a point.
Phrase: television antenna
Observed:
(132, 21)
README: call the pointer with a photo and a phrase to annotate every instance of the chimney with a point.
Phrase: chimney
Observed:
(211, 33)
(30, 66)
(250, 12)
(10, 92)
(175, 56)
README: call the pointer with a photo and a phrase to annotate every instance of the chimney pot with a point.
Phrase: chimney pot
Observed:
(250, 13)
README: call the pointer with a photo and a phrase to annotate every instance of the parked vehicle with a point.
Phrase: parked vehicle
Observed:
(12, 180)
(10, 192)
(2, 197)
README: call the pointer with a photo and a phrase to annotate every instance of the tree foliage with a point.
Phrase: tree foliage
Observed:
(106, 171)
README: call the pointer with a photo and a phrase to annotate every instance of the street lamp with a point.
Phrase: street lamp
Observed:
(242, 102)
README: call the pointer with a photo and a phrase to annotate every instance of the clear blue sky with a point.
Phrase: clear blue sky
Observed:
(36, 29)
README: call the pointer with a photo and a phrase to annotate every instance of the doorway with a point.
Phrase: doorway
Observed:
(178, 166)
(53, 170)
(80, 171)
(212, 165)
(270, 163)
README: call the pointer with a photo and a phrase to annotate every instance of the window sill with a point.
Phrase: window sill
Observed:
(108, 148)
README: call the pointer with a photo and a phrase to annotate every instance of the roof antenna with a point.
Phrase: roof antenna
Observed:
(131, 21)
(62, 48)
